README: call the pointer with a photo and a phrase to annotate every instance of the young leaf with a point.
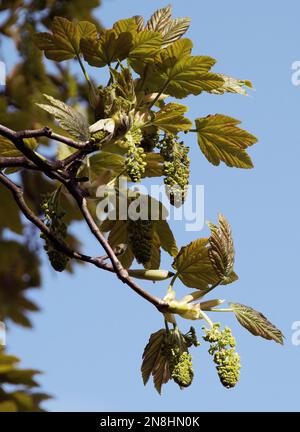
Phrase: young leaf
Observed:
(64, 43)
(175, 30)
(167, 240)
(220, 139)
(87, 29)
(10, 215)
(171, 29)
(256, 323)
(145, 45)
(232, 85)
(106, 160)
(119, 235)
(194, 266)
(106, 49)
(69, 119)
(160, 19)
(8, 149)
(221, 249)
(125, 25)
(171, 118)
(139, 20)
(154, 363)
(179, 74)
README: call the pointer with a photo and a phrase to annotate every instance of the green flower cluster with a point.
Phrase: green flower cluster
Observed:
(181, 368)
(54, 221)
(222, 349)
(175, 350)
(135, 162)
(176, 169)
(140, 235)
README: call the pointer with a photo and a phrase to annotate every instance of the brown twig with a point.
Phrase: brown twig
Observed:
(31, 160)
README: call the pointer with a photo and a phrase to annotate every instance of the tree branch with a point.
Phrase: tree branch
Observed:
(17, 193)
(46, 132)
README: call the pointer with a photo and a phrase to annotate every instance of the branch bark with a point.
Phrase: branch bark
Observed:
(54, 170)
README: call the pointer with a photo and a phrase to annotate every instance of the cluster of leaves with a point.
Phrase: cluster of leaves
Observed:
(23, 398)
(166, 357)
(131, 115)
(136, 134)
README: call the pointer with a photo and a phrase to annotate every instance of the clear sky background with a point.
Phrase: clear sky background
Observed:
(91, 332)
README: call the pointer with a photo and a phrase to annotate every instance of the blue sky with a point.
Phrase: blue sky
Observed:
(91, 332)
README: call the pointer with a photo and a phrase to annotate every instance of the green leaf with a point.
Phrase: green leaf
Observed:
(256, 323)
(68, 118)
(8, 149)
(232, 85)
(221, 250)
(87, 29)
(177, 73)
(106, 49)
(167, 240)
(64, 43)
(139, 20)
(119, 235)
(22, 376)
(8, 406)
(154, 363)
(171, 118)
(154, 262)
(174, 30)
(106, 160)
(194, 266)
(171, 29)
(125, 25)
(160, 19)
(220, 139)
(10, 217)
(145, 45)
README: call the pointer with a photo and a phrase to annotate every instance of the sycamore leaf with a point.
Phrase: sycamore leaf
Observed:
(125, 25)
(9, 215)
(87, 29)
(194, 267)
(8, 406)
(178, 74)
(232, 85)
(145, 45)
(155, 165)
(154, 262)
(22, 376)
(174, 30)
(139, 20)
(167, 240)
(233, 277)
(154, 363)
(171, 118)
(119, 235)
(220, 139)
(160, 19)
(106, 160)
(64, 43)
(8, 149)
(221, 250)
(68, 118)
(106, 49)
(256, 323)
